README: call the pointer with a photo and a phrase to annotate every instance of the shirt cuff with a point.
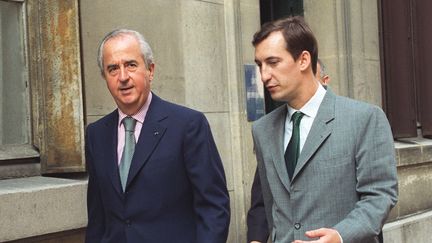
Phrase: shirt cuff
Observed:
(340, 237)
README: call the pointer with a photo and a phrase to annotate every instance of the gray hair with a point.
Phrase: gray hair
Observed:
(146, 51)
(322, 68)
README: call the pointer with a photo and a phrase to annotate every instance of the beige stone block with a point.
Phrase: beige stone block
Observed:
(427, 153)
(220, 126)
(41, 205)
(91, 119)
(354, 26)
(373, 76)
(232, 226)
(321, 17)
(370, 29)
(366, 83)
(348, 40)
(328, 22)
(332, 67)
(205, 56)
(249, 163)
(163, 34)
(415, 228)
(394, 213)
(211, 1)
(363, 28)
(409, 155)
(249, 24)
(98, 100)
(413, 158)
(17, 170)
(393, 235)
(414, 189)
(363, 41)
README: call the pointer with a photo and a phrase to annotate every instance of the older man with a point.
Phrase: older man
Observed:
(155, 174)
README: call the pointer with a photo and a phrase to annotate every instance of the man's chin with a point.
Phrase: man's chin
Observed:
(277, 98)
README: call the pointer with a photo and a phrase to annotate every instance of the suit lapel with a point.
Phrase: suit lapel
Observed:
(277, 144)
(151, 133)
(320, 130)
(110, 135)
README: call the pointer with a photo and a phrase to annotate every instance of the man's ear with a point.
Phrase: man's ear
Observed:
(151, 69)
(304, 60)
(325, 80)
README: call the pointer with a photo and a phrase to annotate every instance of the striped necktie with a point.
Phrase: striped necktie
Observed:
(128, 149)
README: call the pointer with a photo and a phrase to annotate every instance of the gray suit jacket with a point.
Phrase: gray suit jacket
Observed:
(345, 177)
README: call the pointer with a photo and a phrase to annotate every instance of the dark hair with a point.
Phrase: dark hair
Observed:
(297, 34)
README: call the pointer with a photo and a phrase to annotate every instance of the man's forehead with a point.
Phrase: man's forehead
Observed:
(121, 53)
(129, 60)
(273, 41)
(270, 52)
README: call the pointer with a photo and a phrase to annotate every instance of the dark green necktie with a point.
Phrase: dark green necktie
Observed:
(128, 149)
(293, 150)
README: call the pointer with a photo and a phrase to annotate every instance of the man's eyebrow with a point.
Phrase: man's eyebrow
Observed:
(109, 66)
(130, 61)
(272, 58)
(125, 62)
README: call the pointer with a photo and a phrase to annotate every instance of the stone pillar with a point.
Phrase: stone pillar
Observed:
(348, 40)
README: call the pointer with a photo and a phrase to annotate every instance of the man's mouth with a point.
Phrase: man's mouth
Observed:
(270, 87)
(126, 88)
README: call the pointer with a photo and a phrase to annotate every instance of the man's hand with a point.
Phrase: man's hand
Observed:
(325, 235)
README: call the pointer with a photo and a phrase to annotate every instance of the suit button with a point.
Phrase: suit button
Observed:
(297, 226)
(127, 222)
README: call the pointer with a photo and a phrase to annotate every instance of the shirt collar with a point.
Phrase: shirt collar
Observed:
(311, 107)
(140, 115)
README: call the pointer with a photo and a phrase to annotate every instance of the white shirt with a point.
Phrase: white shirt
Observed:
(310, 110)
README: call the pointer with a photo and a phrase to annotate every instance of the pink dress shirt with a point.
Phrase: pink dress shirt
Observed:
(139, 116)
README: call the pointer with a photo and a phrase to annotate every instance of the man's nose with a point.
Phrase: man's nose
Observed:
(124, 74)
(265, 75)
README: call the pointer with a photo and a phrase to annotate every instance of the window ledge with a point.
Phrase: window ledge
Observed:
(20, 151)
(414, 227)
(41, 205)
(413, 151)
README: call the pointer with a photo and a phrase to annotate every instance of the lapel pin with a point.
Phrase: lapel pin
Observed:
(156, 133)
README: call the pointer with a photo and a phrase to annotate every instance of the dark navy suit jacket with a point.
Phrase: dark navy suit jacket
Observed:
(176, 189)
(257, 226)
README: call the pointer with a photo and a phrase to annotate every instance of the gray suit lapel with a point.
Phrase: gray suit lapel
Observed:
(320, 130)
(276, 141)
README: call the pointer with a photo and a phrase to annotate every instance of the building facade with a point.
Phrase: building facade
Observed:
(202, 49)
